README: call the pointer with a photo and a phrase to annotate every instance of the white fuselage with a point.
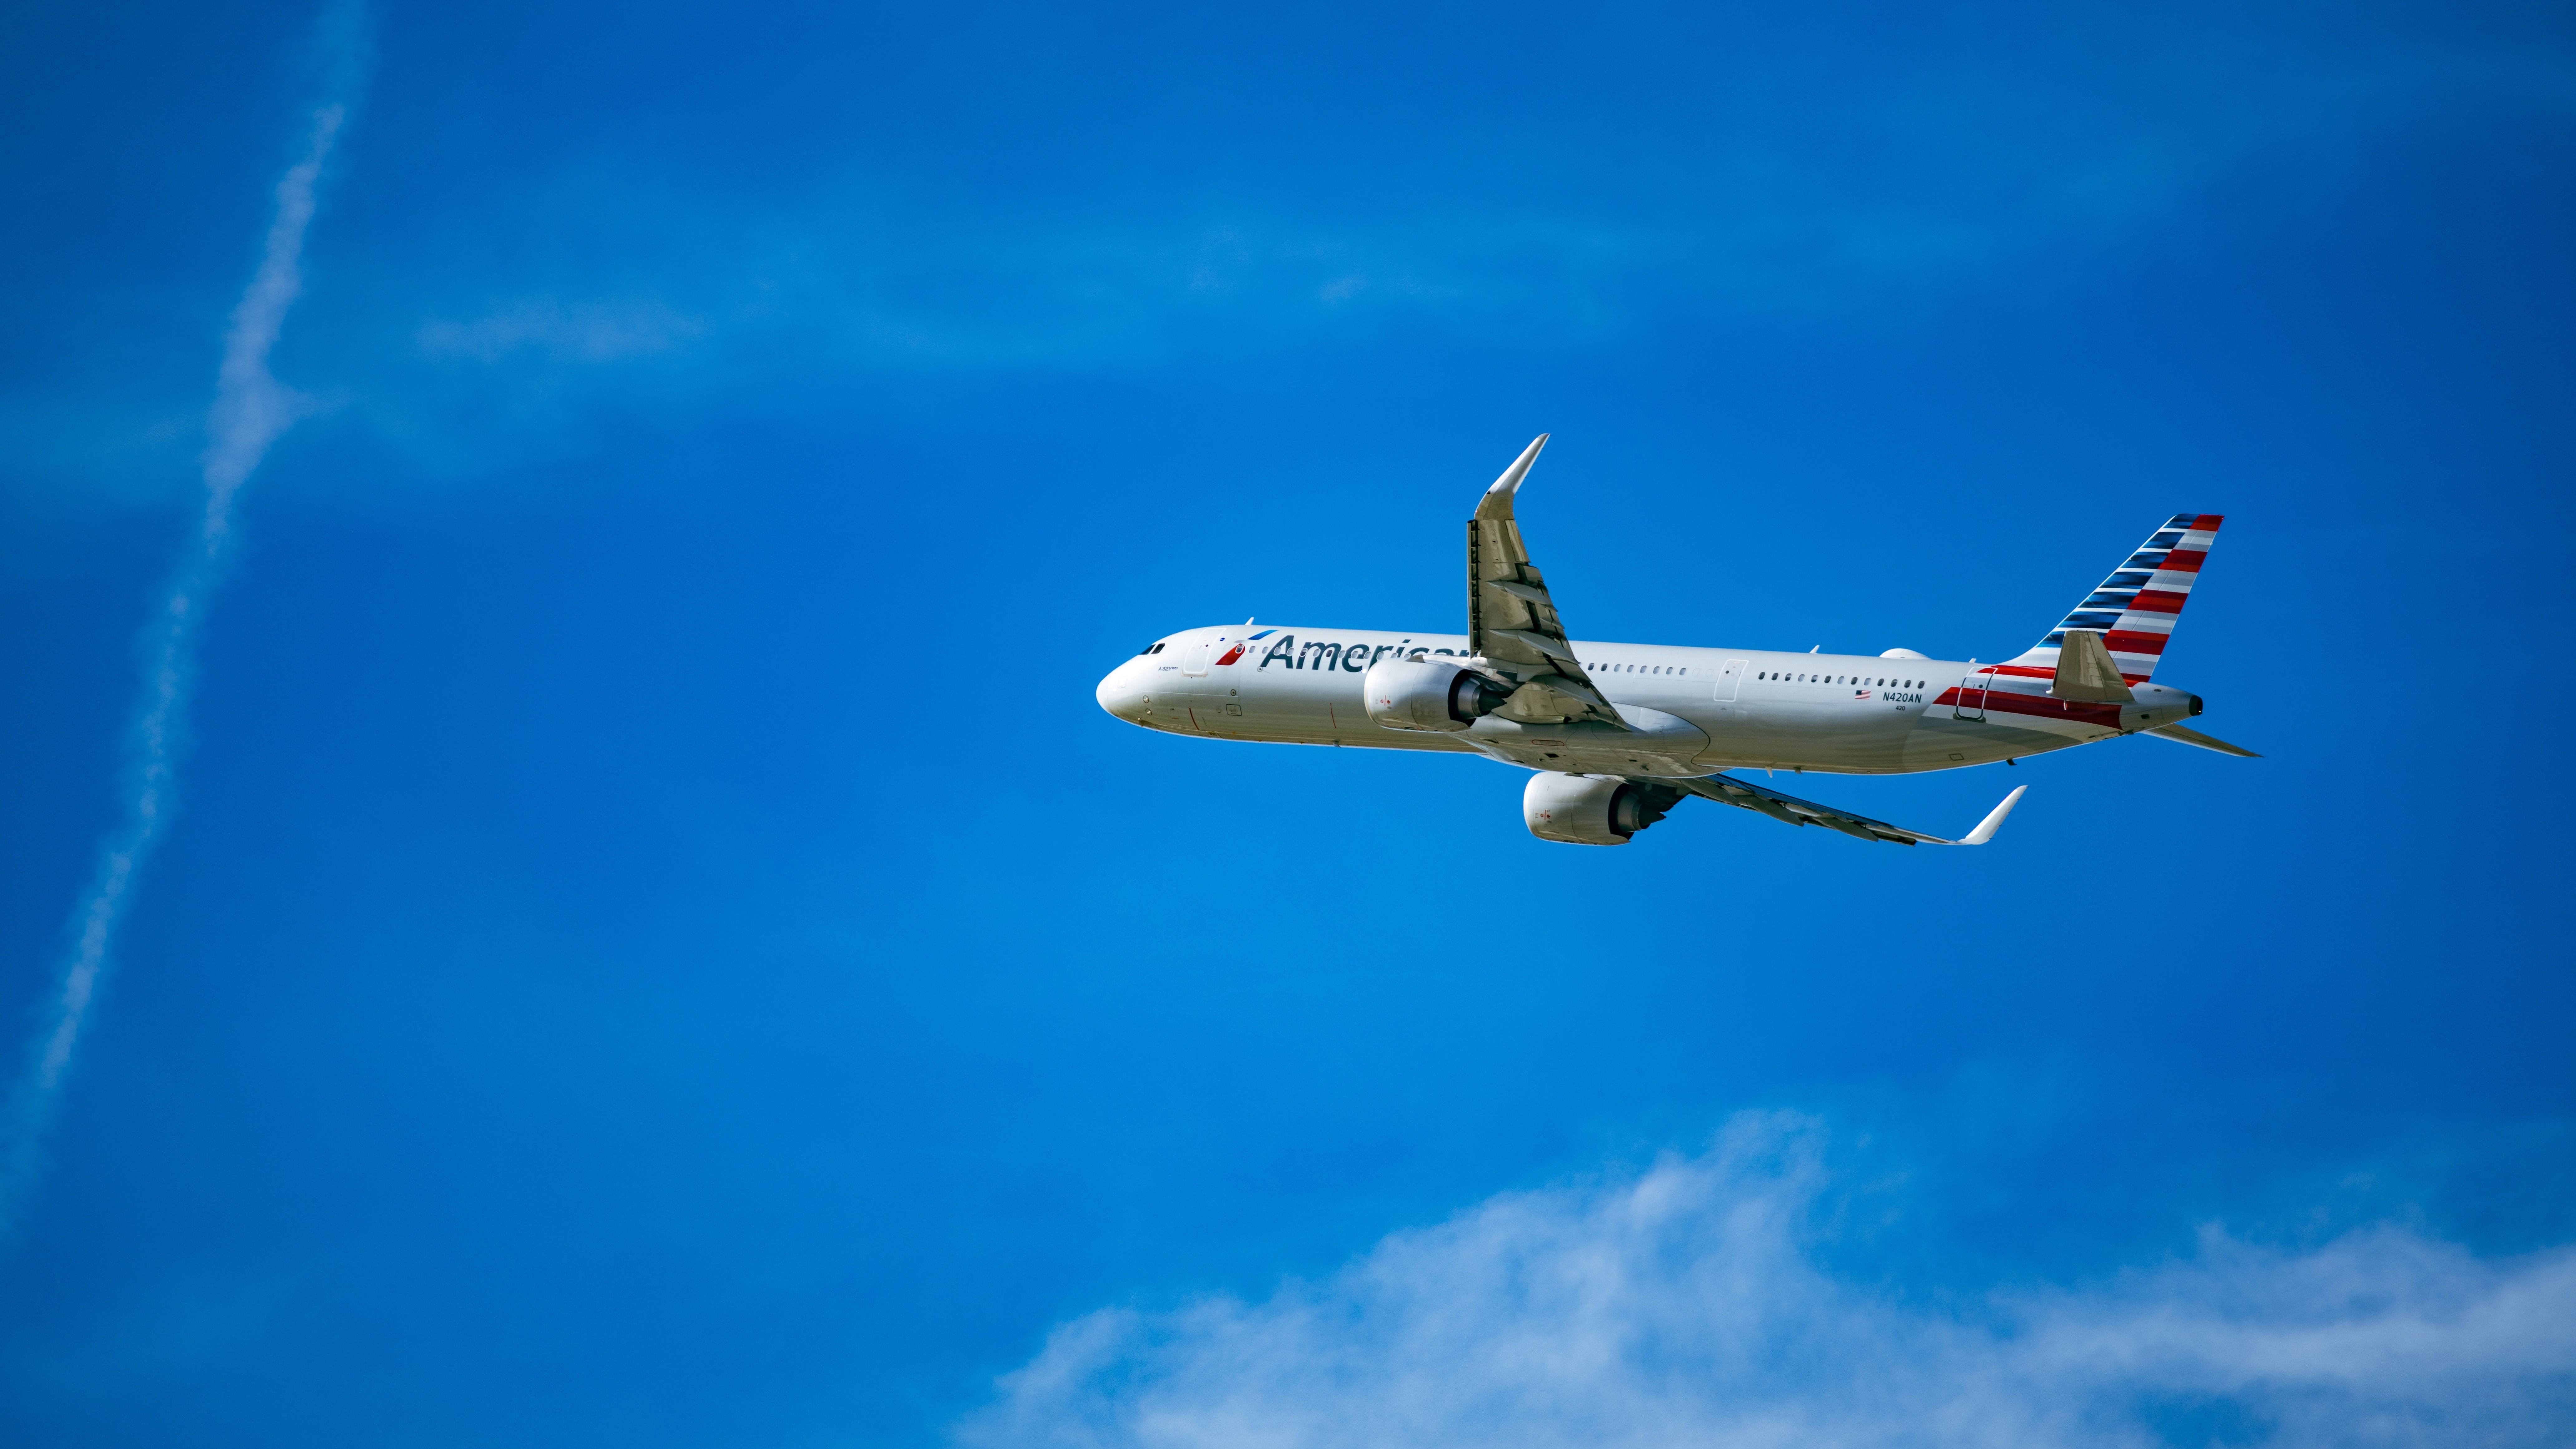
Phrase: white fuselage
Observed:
(1692, 711)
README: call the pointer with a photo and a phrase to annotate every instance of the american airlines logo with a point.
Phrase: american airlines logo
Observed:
(1286, 652)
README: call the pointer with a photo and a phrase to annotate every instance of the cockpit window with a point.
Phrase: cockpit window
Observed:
(1149, 649)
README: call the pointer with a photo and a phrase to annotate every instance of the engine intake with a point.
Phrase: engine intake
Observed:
(1592, 809)
(1406, 693)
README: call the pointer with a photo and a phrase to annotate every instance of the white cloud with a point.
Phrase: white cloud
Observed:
(590, 332)
(1686, 1306)
(251, 409)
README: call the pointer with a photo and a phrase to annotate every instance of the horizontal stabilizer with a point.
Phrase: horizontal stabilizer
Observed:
(2085, 672)
(2181, 736)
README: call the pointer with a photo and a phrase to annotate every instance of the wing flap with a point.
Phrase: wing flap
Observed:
(1555, 651)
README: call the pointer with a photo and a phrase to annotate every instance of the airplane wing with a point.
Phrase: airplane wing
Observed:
(2181, 736)
(1512, 624)
(1745, 795)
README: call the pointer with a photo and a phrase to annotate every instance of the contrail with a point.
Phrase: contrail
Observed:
(249, 412)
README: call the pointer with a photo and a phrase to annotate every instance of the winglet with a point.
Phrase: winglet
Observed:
(1497, 502)
(1993, 822)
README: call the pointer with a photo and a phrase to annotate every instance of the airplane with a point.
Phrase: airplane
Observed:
(1617, 735)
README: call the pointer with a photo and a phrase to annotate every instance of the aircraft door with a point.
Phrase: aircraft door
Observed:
(1194, 660)
(1971, 702)
(1729, 679)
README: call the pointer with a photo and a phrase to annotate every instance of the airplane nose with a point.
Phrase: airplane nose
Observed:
(1118, 695)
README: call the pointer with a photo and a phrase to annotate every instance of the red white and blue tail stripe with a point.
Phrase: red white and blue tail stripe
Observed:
(2135, 608)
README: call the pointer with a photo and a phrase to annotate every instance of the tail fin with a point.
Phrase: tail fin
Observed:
(2135, 608)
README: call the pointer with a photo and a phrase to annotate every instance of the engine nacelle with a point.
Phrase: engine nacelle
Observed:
(1406, 693)
(1591, 809)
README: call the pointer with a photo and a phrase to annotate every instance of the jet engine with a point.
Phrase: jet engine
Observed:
(1592, 809)
(1407, 693)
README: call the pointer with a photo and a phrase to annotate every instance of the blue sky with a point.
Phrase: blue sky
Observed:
(659, 946)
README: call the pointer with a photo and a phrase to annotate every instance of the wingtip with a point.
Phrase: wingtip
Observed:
(1510, 482)
(1994, 820)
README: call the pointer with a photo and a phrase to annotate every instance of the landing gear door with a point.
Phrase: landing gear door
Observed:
(1971, 701)
(1729, 679)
